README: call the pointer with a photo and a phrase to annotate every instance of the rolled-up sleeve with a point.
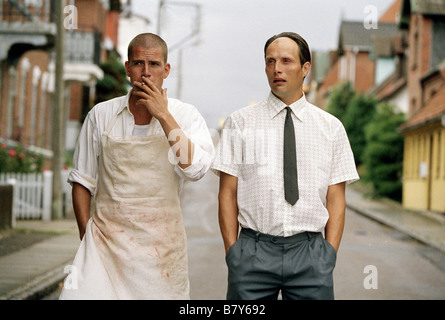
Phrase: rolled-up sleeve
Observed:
(195, 128)
(85, 157)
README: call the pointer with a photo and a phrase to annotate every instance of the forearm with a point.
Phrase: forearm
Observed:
(228, 213)
(178, 140)
(228, 222)
(336, 206)
(81, 205)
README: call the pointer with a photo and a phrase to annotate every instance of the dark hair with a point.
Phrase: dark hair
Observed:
(305, 53)
(148, 41)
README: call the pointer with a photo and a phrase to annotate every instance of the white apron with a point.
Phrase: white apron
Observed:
(135, 244)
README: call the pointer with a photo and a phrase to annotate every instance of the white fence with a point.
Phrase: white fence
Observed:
(33, 194)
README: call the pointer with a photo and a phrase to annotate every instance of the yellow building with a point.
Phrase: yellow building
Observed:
(424, 157)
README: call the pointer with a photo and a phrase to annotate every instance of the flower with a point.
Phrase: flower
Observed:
(17, 158)
(12, 152)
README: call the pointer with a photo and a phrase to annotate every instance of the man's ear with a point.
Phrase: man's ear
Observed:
(127, 68)
(167, 70)
(306, 69)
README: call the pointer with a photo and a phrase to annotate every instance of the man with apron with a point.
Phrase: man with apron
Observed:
(133, 154)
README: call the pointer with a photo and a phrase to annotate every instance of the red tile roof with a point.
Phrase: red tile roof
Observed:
(432, 111)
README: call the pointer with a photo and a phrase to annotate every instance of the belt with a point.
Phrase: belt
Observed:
(277, 239)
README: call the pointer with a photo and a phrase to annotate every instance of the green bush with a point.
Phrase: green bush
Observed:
(339, 99)
(114, 83)
(383, 153)
(375, 141)
(359, 112)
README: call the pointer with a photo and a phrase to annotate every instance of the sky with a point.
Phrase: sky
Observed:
(222, 68)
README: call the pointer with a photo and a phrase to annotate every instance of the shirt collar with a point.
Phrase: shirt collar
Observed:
(126, 103)
(276, 106)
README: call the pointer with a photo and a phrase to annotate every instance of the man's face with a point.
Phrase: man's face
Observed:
(148, 63)
(284, 70)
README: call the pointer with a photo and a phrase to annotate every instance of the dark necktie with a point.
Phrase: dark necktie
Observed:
(290, 161)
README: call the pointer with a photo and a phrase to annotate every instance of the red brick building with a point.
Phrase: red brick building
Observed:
(27, 35)
(355, 60)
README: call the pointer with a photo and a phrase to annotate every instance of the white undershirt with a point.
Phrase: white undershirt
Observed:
(140, 131)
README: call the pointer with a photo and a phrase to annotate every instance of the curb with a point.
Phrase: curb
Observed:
(40, 286)
(420, 237)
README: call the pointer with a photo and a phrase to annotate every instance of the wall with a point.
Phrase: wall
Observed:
(25, 100)
(418, 59)
(424, 189)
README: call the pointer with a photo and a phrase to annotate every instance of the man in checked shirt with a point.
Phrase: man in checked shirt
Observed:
(281, 246)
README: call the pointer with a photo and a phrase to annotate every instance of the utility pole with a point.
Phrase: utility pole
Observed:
(180, 45)
(58, 113)
(161, 5)
(179, 81)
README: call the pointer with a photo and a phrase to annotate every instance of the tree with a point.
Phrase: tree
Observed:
(359, 112)
(383, 154)
(339, 99)
(114, 83)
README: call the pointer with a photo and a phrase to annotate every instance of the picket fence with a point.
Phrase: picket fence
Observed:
(33, 194)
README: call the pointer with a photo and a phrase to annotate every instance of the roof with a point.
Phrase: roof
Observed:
(353, 34)
(384, 46)
(424, 7)
(391, 14)
(434, 110)
(433, 7)
(388, 88)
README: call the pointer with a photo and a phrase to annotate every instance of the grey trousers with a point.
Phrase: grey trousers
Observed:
(261, 265)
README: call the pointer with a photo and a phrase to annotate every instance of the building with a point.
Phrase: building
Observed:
(405, 67)
(27, 35)
(27, 67)
(391, 85)
(424, 132)
(355, 59)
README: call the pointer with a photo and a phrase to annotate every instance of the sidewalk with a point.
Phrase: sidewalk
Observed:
(426, 227)
(33, 272)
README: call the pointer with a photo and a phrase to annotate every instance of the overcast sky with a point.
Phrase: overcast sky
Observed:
(223, 67)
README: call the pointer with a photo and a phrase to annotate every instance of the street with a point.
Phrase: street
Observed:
(374, 261)
(405, 268)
